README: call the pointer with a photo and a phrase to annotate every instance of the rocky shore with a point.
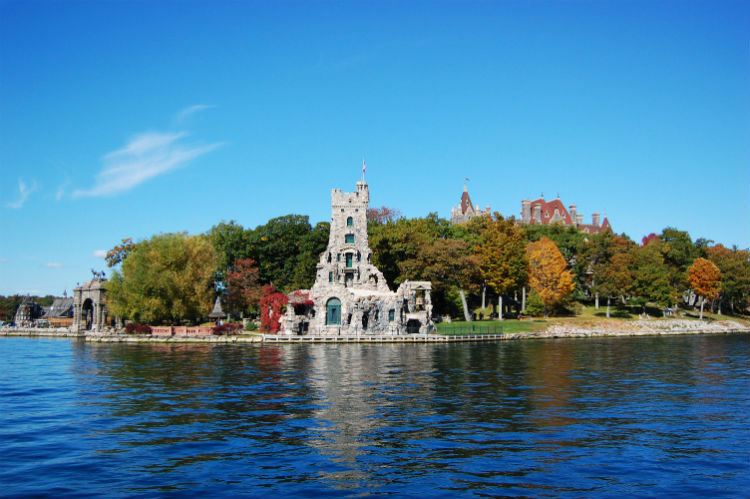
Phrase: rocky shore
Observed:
(643, 327)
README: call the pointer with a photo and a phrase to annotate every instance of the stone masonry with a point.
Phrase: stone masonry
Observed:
(350, 295)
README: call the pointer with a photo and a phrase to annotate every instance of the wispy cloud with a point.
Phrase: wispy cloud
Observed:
(3, 260)
(99, 253)
(144, 157)
(24, 193)
(61, 190)
(54, 265)
(184, 113)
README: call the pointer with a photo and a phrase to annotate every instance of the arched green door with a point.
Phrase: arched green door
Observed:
(333, 312)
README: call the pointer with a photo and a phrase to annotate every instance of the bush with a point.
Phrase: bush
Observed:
(251, 326)
(135, 328)
(534, 305)
(225, 329)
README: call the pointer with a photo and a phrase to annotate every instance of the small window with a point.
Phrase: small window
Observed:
(349, 239)
(391, 315)
(348, 260)
(330, 277)
(338, 257)
(349, 221)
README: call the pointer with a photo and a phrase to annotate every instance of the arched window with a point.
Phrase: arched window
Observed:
(349, 221)
(333, 312)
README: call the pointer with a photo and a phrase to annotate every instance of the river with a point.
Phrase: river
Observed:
(569, 418)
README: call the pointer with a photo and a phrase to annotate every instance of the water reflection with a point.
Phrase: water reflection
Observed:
(566, 418)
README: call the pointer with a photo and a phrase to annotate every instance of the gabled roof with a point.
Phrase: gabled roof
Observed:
(593, 229)
(61, 307)
(548, 211)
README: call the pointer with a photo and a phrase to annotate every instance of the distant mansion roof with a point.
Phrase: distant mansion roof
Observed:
(465, 210)
(552, 212)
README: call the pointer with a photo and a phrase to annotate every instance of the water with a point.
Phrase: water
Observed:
(612, 417)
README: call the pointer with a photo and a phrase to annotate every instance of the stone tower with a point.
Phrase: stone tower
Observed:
(347, 260)
(350, 295)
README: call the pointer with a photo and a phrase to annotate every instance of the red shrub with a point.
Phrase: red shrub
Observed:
(271, 306)
(225, 329)
(134, 328)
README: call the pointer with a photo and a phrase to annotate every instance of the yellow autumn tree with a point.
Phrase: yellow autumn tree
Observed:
(548, 275)
(704, 277)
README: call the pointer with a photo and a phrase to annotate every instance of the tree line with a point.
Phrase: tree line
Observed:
(175, 277)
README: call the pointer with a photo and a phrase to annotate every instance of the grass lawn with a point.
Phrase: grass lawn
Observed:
(588, 317)
(491, 326)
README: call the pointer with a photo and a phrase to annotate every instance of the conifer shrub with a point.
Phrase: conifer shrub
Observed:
(534, 305)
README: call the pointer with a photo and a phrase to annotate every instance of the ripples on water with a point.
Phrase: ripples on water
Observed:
(636, 417)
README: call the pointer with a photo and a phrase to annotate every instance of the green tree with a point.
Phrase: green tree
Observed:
(396, 241)
(446, 263)
(679, 252)
(651, 274)
(231, 243)
(278, 246)
(311, 245)
(167, 279)
(608, 261)
(8, 307)
(502, 252)
(568, 239)
(734, 265)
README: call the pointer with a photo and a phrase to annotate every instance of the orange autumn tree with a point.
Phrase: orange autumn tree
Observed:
(548, 275)
(704, 278)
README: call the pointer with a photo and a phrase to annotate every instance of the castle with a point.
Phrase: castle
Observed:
(465, 211)
(350, 295)
(552, 212)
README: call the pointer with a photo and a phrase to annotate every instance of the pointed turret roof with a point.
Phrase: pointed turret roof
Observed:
(466, 202)
(217, 311)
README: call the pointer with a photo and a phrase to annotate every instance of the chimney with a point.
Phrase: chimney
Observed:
(595, 219)
(538, 213)
(573, 218)
(579, 219)
(526, 211)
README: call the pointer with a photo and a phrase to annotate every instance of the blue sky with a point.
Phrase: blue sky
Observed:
(127, 119)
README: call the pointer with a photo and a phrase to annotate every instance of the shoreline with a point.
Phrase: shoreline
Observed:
(556, 332)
